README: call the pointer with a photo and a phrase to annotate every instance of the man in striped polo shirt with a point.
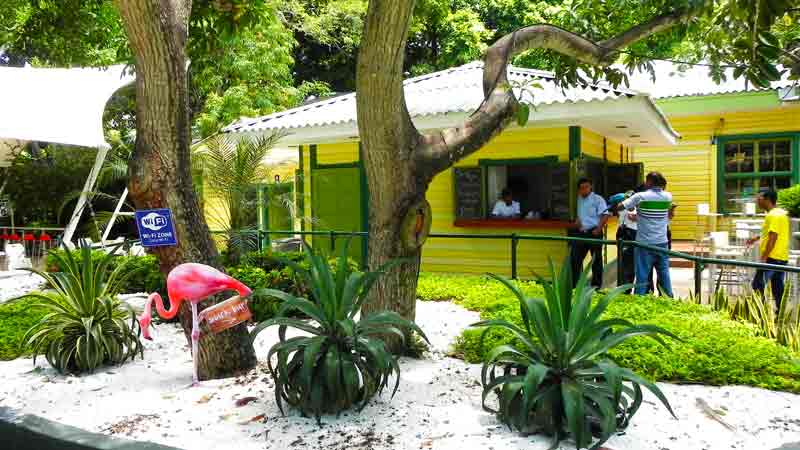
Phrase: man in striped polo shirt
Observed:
(652, 211)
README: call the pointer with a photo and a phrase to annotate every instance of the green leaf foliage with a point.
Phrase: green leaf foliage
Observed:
(143, 273)
(35, 200)
(557, 379)
(271, 270)
(341, 360)
(16, 318)
(789, 199)
(86, 326)
(713, 350)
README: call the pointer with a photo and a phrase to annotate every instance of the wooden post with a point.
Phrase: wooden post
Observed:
(87, 188)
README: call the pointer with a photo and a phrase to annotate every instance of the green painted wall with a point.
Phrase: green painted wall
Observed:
(706, 104)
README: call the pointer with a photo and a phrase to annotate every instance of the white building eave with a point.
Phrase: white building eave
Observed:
(644, 123)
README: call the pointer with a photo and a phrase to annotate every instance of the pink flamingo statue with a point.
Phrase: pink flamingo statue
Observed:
(193, 283)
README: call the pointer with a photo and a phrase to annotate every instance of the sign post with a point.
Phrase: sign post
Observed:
(156, 228)
(4, 207)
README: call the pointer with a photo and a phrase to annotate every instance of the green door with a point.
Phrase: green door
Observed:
(336, 206)
(280, 206)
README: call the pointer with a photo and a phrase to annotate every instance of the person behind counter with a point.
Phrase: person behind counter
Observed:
(506, 207)
(592, 217)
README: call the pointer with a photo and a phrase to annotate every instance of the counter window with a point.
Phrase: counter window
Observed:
(540, 188)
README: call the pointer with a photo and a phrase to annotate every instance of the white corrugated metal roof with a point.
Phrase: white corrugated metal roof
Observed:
(675, 80)
(456, 90)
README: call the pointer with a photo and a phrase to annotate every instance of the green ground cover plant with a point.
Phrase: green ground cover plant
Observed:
(782, 325)
(714, 350)
(16, 318)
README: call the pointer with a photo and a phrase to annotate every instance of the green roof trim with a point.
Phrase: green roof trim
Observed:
(704, 104)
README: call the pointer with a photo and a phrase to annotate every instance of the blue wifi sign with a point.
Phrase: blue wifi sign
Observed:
(156, 228)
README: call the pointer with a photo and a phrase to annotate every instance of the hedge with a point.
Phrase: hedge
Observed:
(714, 349)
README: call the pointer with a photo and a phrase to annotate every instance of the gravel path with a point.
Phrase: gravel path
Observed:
(437, 406)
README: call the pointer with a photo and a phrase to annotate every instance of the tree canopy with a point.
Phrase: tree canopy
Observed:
(257, 57)
(241, 52)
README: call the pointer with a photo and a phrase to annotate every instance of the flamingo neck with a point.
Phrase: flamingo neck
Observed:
(240, 288)
(162, 311)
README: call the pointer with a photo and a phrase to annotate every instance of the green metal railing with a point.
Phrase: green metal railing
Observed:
(700, 262)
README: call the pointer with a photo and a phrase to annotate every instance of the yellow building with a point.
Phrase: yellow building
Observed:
(271, 199)
(734, 141)
(593, 130)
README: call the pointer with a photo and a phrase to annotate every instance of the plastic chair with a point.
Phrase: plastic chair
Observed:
(725, 276)
(742, 236)
(705, 223)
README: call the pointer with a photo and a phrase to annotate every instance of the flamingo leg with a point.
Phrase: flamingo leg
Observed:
(195, 341)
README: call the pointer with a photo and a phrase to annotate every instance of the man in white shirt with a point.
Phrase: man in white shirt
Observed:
(506, 207)
(592, 217)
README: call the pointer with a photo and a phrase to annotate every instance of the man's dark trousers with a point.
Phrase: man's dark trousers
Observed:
(628, 268)
(579, 252)
(774, 278)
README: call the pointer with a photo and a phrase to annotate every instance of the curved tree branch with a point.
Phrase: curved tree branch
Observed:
(440, 150)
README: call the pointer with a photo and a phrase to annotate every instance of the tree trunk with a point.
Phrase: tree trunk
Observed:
(160, 171)
(389, 140)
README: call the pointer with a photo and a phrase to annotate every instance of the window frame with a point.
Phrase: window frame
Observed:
(722, 175)
(485, 163)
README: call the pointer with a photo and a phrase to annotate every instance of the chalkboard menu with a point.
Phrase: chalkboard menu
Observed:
(559, 195)
(468, 188)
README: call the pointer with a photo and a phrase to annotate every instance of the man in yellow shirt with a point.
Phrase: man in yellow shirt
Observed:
(774, 247)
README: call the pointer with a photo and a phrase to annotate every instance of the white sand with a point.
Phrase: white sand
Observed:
(437, 407)
(18, 282)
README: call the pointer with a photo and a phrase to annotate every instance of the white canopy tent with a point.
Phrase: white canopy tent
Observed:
(63, 106)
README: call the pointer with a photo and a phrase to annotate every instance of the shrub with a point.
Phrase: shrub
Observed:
(714, 350)
(87, 326)
(55, 258)
(16, 318)
(144, 273)
(558, 380)
(274, 270)
(268, 260)
(262, 306)
(342, 362)
(789, 199)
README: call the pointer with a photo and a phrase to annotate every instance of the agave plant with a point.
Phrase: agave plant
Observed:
(342, 359)
(557, 381)
(87, 325)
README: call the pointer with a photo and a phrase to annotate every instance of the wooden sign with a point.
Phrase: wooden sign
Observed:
(227, 314)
